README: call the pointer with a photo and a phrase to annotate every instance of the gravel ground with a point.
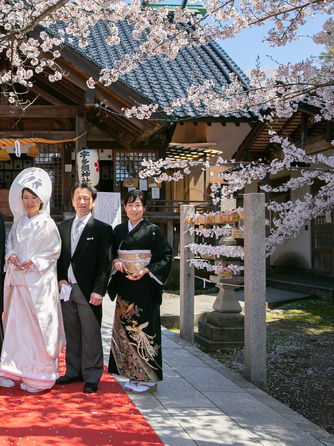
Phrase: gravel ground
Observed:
(300, 359)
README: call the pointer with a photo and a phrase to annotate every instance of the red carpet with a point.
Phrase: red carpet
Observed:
(66, 416)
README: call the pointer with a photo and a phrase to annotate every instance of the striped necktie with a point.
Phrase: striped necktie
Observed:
(75, 231)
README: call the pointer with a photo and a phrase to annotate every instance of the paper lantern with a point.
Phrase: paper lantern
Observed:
(33, 151)
(88, 166)
(4, 156)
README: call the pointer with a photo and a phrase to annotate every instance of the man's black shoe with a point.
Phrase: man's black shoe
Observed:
(90, 387)
(68, 380)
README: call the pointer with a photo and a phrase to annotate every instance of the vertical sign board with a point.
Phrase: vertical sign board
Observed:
(108, 208)
(88, 166)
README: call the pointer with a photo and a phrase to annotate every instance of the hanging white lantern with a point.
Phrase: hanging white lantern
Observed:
(88, 166)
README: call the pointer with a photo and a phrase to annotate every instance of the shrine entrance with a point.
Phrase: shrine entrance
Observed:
(49, 159)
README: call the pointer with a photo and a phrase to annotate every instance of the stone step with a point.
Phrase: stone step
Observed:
(221, 334)
(323, 292)
(213, 346)
(225, 319)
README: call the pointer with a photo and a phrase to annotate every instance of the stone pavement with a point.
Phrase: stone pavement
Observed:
(170, 308)
(201, 402)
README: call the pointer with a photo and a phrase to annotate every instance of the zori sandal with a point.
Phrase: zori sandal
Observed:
(144, 387)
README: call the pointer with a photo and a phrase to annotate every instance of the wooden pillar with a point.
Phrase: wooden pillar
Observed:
(80, 128)
(170, 232)
(67, 176)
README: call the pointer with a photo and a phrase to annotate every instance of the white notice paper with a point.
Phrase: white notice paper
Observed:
(143, 185)
(155, 192)
(108, 208)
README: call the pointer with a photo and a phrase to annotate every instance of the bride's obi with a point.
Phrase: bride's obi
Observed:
(134, 260)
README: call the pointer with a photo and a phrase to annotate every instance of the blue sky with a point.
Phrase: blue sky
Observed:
(245, 48)
(247, 45)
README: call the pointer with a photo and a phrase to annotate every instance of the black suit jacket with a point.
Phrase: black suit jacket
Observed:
(92, 259)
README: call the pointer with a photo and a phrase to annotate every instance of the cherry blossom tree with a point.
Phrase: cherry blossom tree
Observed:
(30, 49)
(29, 46)
(270, 96)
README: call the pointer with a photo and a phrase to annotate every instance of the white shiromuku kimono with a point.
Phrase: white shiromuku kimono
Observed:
(33, 325)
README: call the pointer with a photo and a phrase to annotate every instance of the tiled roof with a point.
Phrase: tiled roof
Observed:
(159, 79)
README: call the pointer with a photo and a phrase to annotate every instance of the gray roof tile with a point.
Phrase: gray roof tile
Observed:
(159, 79)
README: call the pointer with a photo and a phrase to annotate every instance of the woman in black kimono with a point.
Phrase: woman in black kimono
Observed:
(142, 264)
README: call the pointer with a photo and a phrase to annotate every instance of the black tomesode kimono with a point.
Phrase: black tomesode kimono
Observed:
(136, 338)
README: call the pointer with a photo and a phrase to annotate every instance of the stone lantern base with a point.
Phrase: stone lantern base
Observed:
(224, 327)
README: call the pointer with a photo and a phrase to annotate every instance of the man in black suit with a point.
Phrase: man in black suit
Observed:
(85, 266)
(2, 262)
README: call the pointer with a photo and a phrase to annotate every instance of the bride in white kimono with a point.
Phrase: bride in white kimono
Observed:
(33, 326)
